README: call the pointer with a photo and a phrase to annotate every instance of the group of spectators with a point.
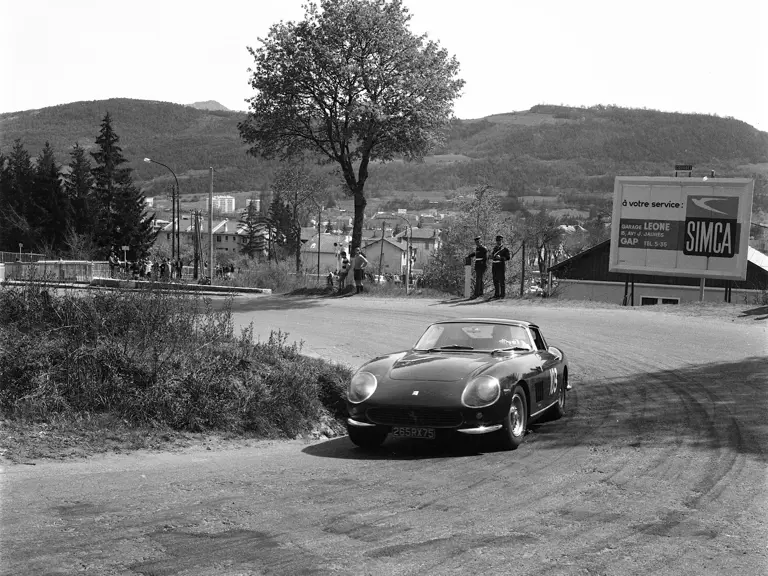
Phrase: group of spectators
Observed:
(499, 255)
(357, 264)
(145, 268)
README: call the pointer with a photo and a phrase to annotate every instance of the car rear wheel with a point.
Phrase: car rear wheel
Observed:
(366, 438)
(516, 421)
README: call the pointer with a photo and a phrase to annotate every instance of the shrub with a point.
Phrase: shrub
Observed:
(157, 358)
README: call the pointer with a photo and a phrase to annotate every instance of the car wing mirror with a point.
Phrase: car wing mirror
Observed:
(555, 352)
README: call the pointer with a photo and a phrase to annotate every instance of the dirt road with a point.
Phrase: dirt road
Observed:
(659, 468)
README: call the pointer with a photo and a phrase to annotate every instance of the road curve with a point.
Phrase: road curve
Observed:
(658, 468)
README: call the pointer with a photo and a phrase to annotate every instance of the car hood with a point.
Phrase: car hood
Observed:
(437, 366)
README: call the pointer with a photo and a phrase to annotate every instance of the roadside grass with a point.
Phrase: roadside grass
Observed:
(87, 371)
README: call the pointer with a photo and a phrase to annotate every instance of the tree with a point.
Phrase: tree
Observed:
(544, 237)
(252, 225)
(351, 84)
(121, 213)
(78, 186)
(16, 189)
(299, 190)
(51, 212)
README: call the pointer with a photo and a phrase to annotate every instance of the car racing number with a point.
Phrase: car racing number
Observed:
(552, 381)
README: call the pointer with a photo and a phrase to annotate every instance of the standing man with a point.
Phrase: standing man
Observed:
(114, 262)
(481, 261)
(359, 262)
(499, 257)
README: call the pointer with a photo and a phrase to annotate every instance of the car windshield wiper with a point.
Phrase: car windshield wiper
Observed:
(451, 347)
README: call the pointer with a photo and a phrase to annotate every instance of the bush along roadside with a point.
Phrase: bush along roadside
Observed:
(153, 363)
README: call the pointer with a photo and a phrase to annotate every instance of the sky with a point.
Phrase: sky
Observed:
(701, 56)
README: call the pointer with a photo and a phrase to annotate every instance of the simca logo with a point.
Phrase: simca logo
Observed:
(415, 393)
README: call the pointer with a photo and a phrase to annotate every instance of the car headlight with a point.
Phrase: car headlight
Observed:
(481, 392)
(361, 387)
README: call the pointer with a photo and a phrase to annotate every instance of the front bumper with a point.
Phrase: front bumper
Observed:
(463, 420)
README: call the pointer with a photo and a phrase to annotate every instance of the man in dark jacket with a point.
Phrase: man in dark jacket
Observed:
(499, 257)
(480, 256)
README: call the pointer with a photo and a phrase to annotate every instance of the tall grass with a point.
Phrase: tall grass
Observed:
(157, 358)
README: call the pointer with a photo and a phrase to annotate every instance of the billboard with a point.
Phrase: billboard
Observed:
(681, 226)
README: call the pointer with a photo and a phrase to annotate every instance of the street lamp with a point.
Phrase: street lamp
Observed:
(175, 243)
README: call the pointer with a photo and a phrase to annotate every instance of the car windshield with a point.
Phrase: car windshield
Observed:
(474, 336)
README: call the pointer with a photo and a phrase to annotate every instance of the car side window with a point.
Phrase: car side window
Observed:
(538, 340)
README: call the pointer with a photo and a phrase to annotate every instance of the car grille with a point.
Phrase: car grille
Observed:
(431, 418)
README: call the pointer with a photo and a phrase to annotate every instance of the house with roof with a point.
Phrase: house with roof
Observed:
(585, 276)
(228, 236)
(387, 251)
(327, 248)
(424, 243)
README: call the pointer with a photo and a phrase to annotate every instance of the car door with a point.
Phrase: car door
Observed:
(546, 384)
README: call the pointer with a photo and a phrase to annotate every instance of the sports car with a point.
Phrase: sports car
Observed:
(469, 376)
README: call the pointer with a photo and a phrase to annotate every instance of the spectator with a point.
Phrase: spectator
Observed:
(359, 262)
(343, 271)
(480, 256)
(499, 257)
(114, 262)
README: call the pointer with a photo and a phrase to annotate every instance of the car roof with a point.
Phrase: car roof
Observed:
(490, 321)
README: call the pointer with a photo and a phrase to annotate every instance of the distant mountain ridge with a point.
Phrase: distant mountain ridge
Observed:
(546, 150)
(209, 105)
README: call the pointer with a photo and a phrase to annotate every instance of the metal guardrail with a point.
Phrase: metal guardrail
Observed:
(49, 270)
(70, 271)
(19, 257)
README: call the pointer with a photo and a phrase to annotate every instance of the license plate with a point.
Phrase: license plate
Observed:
(409, 432)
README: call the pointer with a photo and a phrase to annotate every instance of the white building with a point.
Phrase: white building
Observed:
(225, 204)
(150, 202)
(256, 201)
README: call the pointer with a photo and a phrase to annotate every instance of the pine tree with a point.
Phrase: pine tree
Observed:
(78, 186)
(280, 222)
(252, 225)
(52, 212)
(121, 216)
(16, 187)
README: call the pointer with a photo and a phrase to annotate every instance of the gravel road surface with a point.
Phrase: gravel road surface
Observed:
(660, 467)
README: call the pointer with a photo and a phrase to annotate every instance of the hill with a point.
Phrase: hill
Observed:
(548, 150)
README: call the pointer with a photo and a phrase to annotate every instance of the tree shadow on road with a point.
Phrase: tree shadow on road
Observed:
(718, 407)
(272, 302)
(454, 302)
(760, 313)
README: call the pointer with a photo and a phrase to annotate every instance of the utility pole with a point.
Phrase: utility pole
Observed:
(210, 225)
(522, 275)
(178, 228)
(381, 253)
(196, 242)
(319, 217)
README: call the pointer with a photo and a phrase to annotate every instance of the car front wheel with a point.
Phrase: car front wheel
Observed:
(558, 410)
(516, 421)
(366, 438)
